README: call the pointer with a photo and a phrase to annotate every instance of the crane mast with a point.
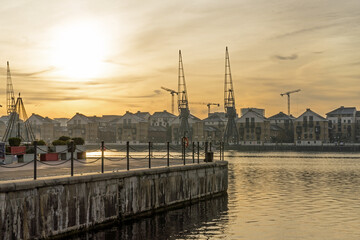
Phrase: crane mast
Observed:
(231, 134)
(172, 92)
(10, 99)
(288, 97)
(183, 104)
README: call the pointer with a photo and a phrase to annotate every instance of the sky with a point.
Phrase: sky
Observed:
(108, 57)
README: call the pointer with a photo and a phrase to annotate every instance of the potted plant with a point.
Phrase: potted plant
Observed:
(16, 150)
(60, 148)
(41, 147)
(80, 149)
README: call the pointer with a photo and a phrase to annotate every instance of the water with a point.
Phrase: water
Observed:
(270, 196)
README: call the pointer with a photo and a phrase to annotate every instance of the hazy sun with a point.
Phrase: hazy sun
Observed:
(79, 50)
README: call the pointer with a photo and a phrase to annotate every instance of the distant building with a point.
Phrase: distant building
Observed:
(84, 127)
(253, 127)
(281, 128)
(131, 127)
(160, 126)
(342, 123)
(42, 127)
(214, 127)
(260, 111)
(310, 129)
(175, 125)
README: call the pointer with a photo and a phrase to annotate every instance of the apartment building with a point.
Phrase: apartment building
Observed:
(254, 128)
(281, 128)
(310, 129)
(84, 127)
(42, 127)
(342, 124)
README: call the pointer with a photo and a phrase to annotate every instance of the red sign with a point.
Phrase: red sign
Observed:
(18, 150)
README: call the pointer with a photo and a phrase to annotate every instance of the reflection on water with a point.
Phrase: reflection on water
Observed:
(271, 196)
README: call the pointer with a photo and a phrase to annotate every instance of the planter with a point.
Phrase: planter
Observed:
(18, 150)
(42, 149)
(49, 157)
(80, 148)
(28, 157)
(9, 159)
(61, 148)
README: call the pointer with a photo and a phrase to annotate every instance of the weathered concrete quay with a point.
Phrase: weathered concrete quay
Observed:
(49, 207)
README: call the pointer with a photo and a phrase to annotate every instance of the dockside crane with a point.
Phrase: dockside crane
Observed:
(288, 95)
(183, 103)
(231, 134)
(10, 99)
(172, 92)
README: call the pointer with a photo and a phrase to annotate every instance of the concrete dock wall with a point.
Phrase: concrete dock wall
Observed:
(48, 207)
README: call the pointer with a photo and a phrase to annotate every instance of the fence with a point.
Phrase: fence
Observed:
(189, 152)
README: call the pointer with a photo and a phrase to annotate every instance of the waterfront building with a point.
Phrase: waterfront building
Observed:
(160, 126)
(107, 130)
(254, 128)
(310, 129)
(131, 127)
(84, 127)
(260, 111)
(175, 125)
(214, 126)
(281, 128)
(357, 126)
(42, 127)
(342, 124)
(60, 127)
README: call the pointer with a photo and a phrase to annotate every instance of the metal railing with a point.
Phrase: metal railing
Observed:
(193, 151)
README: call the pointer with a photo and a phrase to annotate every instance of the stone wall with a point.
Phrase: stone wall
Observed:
(48, 207)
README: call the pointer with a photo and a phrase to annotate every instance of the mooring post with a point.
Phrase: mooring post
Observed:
(168, 154)
(193, 151)
(183, 148)
(102, 156)
(35, 159)
(127, 156)
(198, 152)
(72, 157)
(223, 151)
(149, 154)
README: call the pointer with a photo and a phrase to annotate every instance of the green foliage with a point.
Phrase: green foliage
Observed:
(64, 138)
(40, 143)
(14, 141)
(78, 141)
(59, 142)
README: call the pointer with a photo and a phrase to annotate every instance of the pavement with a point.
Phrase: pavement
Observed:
(113, 161)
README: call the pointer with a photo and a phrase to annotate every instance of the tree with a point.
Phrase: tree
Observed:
(78, 141)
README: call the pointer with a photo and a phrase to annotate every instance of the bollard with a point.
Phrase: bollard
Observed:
(102, 156)
(168, 154)
(35, 160)
(149, 154)
(72, 157)
(220, 148)
(223, 151)
(198, 152)
(183, 149)
(193, 151)
(127, 156)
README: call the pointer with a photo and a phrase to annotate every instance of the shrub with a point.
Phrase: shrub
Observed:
(40, 143)
(58, 142)
(14, 142)
(64, 138)
(78, 141)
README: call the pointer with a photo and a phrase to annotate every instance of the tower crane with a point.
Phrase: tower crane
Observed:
(231, 134)
(207, 104)
(172, 92)
(288, 94)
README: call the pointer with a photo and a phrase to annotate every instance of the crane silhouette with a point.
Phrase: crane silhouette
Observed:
(288, 94)
(172, 92)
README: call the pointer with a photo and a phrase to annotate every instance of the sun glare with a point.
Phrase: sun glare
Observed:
(79, 50)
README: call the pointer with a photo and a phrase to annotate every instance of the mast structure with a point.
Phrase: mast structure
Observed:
(231, 134)
(183, 103)
(10, 99)
(18, 126)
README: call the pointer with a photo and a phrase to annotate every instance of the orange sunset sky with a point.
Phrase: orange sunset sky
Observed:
(106, 57)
